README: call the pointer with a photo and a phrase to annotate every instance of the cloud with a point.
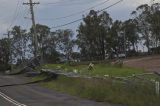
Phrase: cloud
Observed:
(7, 9)
(122, 10)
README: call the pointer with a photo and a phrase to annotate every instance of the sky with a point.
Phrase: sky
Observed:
(13, 12)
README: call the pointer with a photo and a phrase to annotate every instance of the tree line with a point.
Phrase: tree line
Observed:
(98, 37)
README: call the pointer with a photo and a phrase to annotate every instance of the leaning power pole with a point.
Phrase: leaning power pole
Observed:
(35, 41)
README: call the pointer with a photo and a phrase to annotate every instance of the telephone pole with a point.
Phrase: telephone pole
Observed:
(35, 41)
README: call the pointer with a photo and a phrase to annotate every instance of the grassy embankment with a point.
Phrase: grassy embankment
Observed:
(130, 93)
(98, 70)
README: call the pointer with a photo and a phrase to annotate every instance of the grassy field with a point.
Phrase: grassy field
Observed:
(98, 70)
(130, 93)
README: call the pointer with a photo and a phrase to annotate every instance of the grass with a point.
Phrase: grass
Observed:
(99, 70)
(131, 93)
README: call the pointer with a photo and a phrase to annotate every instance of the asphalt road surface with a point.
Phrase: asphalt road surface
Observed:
(34, 95)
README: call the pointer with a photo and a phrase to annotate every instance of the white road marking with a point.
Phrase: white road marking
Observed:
(11, 100)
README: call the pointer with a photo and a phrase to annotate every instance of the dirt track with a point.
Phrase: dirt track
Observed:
(150, 64)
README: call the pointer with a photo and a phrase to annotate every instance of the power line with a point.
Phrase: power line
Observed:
(82, 18)
(110, 6)
(71, 4)
(77, 13)
(27, 24)
(68, 23)
(56, 2)
(18, 13)
(15, 15)
(26, 13)
(68, 4)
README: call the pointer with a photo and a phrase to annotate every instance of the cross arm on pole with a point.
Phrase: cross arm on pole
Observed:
(31, 3)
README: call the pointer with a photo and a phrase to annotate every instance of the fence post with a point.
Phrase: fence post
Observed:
(157, 85)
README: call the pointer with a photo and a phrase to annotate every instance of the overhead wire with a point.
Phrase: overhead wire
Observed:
(67, 3)
(61, 1)
(26, 13)
(15, 15)
(82, 18)
(110, 6)
(77, 13)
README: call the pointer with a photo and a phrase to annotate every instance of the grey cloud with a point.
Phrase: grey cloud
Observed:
(7, 8)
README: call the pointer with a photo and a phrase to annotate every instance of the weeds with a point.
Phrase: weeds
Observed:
(131, 93)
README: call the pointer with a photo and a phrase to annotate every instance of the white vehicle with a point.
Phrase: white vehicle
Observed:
(122, 55)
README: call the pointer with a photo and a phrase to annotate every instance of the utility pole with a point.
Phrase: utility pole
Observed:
(35, 41)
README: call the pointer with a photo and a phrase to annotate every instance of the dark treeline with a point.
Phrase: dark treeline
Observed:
(98, 38)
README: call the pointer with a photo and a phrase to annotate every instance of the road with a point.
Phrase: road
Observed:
(150, 64)
(34, 95)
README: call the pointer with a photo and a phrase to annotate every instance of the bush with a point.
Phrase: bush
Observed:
(2, 67)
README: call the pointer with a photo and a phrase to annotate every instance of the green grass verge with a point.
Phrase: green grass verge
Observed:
(99, 70)
(132, 93)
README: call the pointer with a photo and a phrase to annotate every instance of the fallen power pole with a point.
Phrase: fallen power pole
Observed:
(35, 41)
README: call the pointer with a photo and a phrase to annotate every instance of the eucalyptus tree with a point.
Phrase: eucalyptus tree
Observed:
(93, 34)
(131, 34)
(19, 43)
(104, 36)
(50, 54)
(64, 42)
(4, 52)
(116, 38)
(42, 32)
(154, 21)
(141, 16)
(87, 35)
(46, 43)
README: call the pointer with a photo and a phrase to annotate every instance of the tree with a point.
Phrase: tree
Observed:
(131, 34)
(93, 33)
(116, 39)
(154, 20)
(142, 15)
(65, 42)
(50, 54)
(105, 27)
(46, 43)
(4, 53)
(19, 43)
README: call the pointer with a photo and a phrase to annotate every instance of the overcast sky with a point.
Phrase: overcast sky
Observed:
(13, 12)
